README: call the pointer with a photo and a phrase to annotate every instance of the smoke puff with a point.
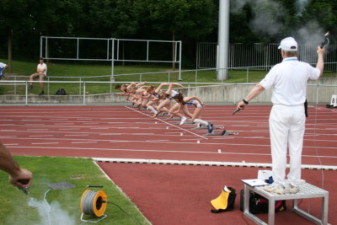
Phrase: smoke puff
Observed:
(300, 5)
(268, 15)
(51, 214)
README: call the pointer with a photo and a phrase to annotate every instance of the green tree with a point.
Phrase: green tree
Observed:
(15, 20)
(185, 18)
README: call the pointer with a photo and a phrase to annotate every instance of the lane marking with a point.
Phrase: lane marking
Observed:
(37, 129)
(161, 151)
(46, 143)
(40, 135)
(74, 135)
(84, 142)
(172, 125)
(169, 142)
(204, 163)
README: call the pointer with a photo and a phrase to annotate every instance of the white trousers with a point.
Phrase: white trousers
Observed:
(286, 127)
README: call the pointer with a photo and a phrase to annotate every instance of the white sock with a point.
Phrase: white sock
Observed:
(152, 109)
(200, 121)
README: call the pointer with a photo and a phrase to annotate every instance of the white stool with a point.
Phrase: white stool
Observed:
(306, 191)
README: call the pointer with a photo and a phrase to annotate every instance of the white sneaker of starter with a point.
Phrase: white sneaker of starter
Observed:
(183, 120)
(275, 188)
(291, 189)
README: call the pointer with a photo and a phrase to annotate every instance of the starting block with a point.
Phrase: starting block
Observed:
(223, 133)
(174, 118)
(204, 127)
(184, 123)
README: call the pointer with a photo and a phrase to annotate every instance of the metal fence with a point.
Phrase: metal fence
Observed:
(236, 74)
(259, 55)
(111, 50)
(102, 92)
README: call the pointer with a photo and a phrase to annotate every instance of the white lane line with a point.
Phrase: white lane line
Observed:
(322, 148)
(205, 163)
(11, 144)
(46, 143)
(99, 128)
(168, 123)
(40, 135)
(37, 129)
(127, 127)
(143, 150)
(163, 151)
(75, 135)
(65, 129)
(8, 130)
(84, 142)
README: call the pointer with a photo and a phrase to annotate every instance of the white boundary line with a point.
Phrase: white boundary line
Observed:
(203, 163)
(168, 123)
(120, 190)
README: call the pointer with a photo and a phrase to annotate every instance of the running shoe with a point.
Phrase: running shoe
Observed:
(183, 120)
(210, 128)
(291, 190)
(155, 115)
(275, 188)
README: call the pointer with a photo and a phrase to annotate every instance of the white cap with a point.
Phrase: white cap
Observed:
(288, 44)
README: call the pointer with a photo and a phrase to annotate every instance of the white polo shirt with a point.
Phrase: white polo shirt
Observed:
(289, 81)
(42, 67)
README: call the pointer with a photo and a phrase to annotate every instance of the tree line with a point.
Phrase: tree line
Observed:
(22, 22)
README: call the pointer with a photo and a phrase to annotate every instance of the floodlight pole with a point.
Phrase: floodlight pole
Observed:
(223, 40)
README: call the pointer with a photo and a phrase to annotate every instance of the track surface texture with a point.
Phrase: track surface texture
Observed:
(172, 194)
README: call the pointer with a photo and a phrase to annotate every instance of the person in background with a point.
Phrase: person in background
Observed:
(41, 73)
(18, 177)
(3, 67)
(287, 117)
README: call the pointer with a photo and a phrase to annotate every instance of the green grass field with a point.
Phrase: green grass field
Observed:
(61, 71)
(14, 208)
(90, 72)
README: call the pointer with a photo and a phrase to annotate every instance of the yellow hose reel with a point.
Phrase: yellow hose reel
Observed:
(93, 203)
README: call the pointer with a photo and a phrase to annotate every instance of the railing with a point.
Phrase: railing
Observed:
(252, 74)
(102, 92)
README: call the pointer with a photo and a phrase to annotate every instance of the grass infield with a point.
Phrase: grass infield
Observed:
(14, 208)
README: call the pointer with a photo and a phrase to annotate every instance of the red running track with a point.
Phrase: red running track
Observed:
(168, 192)
(125, 132)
